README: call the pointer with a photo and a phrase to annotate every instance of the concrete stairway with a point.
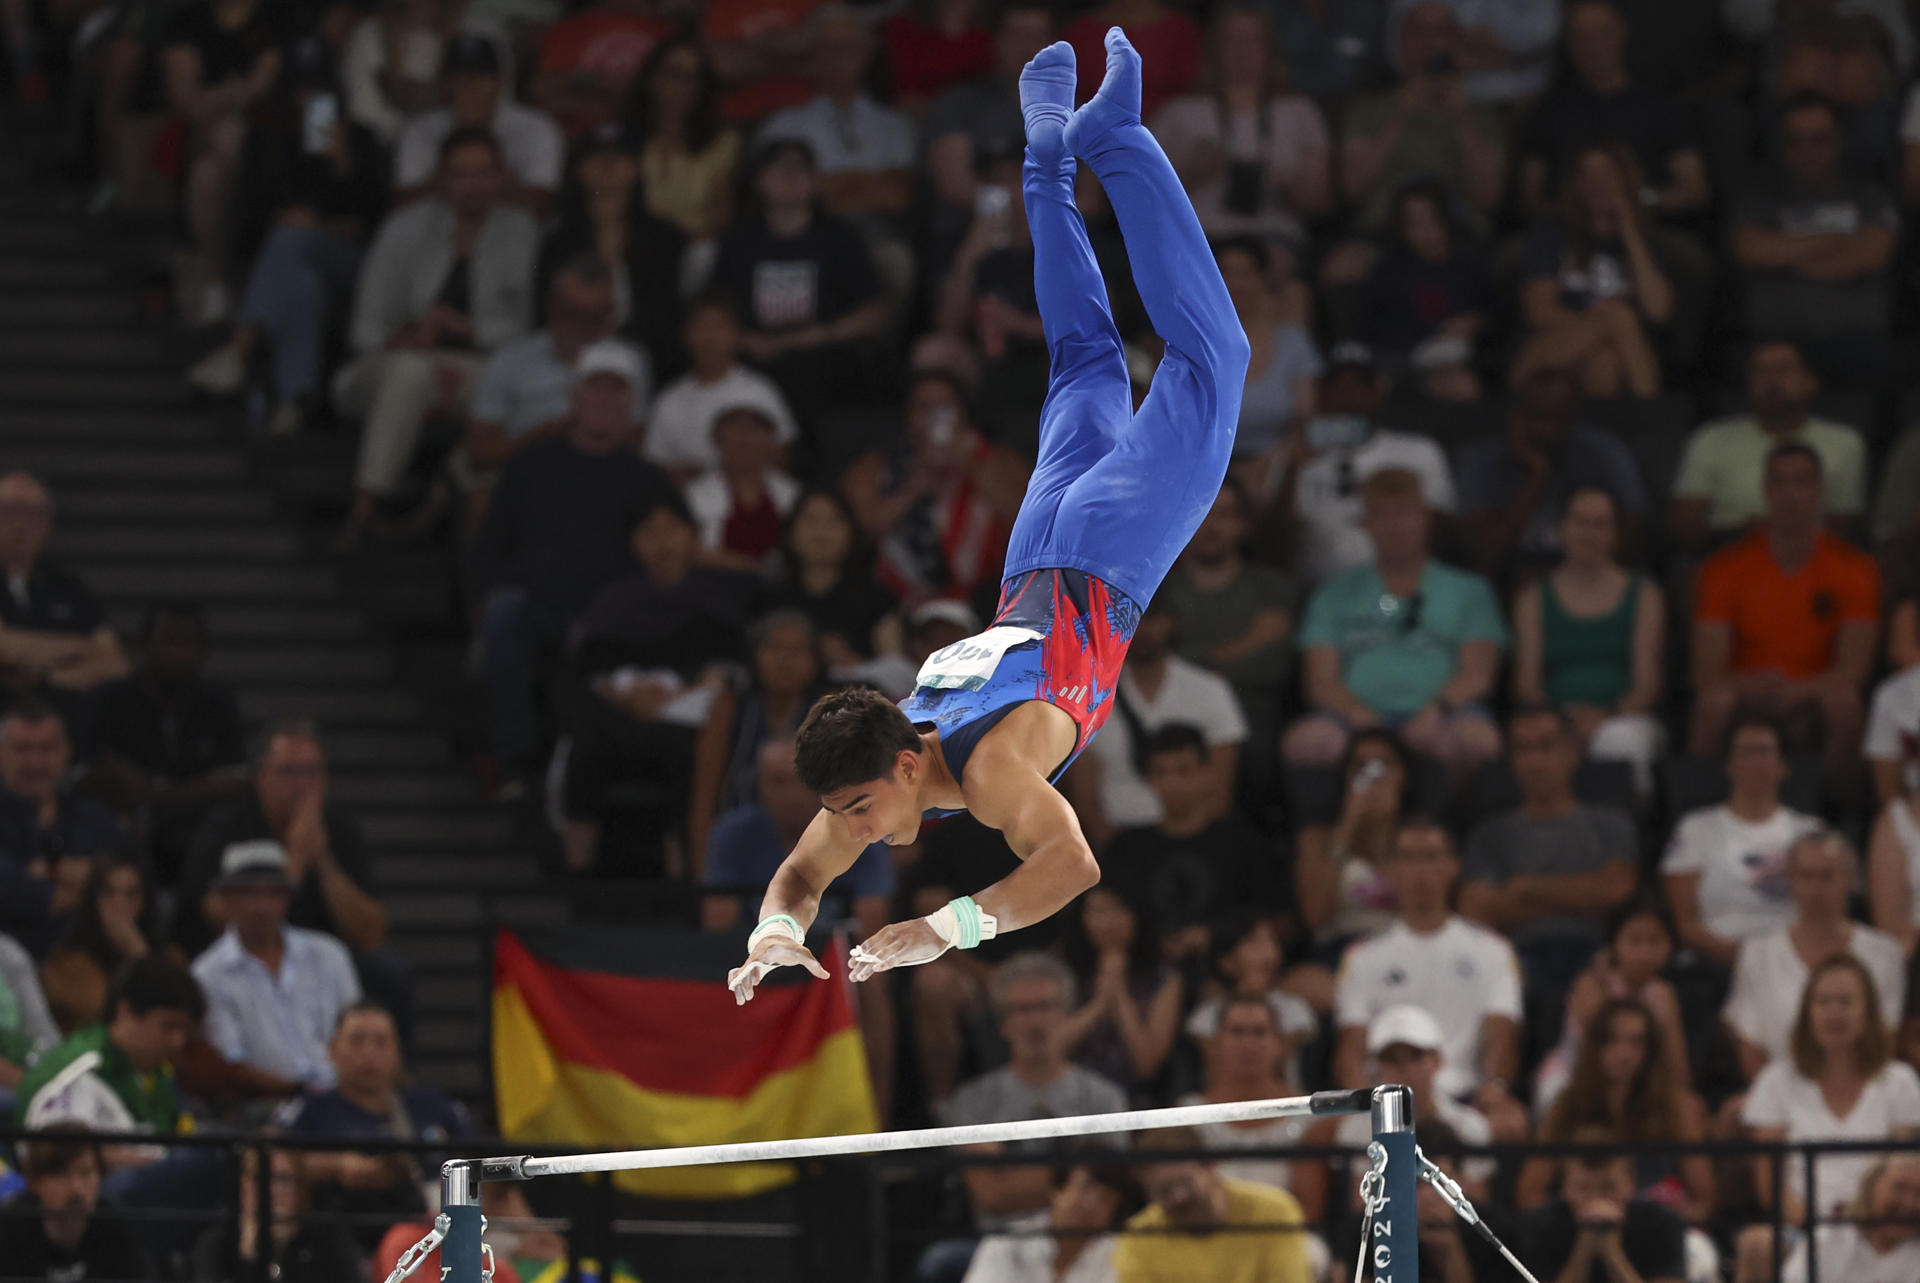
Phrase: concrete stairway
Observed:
(159, 498)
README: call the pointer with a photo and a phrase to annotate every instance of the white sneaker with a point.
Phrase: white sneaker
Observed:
(220, 372)
(287, 421)
(214, 304)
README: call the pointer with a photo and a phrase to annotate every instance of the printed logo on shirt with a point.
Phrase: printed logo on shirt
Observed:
(785, 293)
(1767, 873)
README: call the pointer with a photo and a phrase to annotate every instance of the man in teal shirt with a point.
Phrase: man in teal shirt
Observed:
(1405, 642)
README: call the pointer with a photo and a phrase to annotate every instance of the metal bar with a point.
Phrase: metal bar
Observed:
(774, 1151)
(1395, 1250)
(460, 1204)
(1812, 1239)
(1777, 1162)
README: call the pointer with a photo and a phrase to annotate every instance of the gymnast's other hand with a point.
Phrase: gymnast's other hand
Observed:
(774, 950)
(904, 944)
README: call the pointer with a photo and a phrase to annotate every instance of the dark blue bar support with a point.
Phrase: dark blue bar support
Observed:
(460, 1204)
(1394, 1253)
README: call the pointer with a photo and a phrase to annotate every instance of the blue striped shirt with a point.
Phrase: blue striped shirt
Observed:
(279, 1023)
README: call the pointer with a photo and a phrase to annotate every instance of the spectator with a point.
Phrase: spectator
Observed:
(1339, 882)
(311, 189)
(941, 504)
(556, 532)
(218, 60)
(525, 389)
(299, 1249)
(643, 655)
(1548, 873)
(26, 1024)
(750, 840)
(1173, 36)
(814, 307)
(529, 146)
(1721, 486)
(112, 926)
(53, 633)
(1157, 688)
(742, 505)
(1758, 21)
(783, 679)
(827, 575)
(1892, 746)
(1593, 290)
(986, 296)
(1318, 500)
(1427, 126)
(1881, 1244)
(447, 281)
(1124, 1031)
(934, 45)
(1599, 1229)
(1785, 621)
(1463, 974)
(1247, 961)
(1405, 642)
(1726, 866)
(1332, 49)
(1514, 492)
(589, 60)
(370, 1099)
(980, 119)
(1813, 244)
(1603, 102)
(274, 992)
(49, 838)
(1072, 1241)
(687, 159)
(1623, 1085)
(167, 742)
(122, 1087)
(1770, 973)
(1199, 1224)
(864, 151)
(1589, 639)
(1429, 296)
(1278, 395)
(1236, 618)
(679, 434)
(1247, 1060)
(1252, 153)
(1640, 944)
(1893, 870)
(602, 214)
(1841, 1050)
(1033, 996)
(56, 1229)
(390, 64)
(1896, 509)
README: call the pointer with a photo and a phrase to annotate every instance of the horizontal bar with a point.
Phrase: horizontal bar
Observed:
(775, 1151)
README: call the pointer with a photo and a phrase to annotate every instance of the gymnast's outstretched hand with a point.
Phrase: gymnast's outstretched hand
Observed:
(904, 944)
(774, 950)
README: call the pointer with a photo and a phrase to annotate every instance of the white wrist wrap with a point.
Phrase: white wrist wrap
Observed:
(962, 924)
(781, 923)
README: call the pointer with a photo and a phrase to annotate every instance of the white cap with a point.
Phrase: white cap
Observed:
(261, 860)
(1414, 1026)
(609, 356)
(946, 611)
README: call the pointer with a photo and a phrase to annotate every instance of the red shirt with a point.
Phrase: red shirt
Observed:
(1786, 622)
(741, 20)
(925, 61)
(1169, 53)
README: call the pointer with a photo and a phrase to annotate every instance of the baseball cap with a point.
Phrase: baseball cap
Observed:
(609, 356)
(1350, 353)
(467, 51)
(1414, 1026)
(260, 862)
(957, 613)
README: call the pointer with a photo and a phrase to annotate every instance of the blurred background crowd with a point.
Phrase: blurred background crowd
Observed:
(1535, 719)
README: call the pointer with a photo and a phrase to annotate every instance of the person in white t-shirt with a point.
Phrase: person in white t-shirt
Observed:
(679, 434)
(1770, 972)
(1317, 492)
(1464, 975)
(1726, 865)
(1157, 688)
(1841, 1050)
(1072, 1241)
(1885, 1248)
(1892, 744)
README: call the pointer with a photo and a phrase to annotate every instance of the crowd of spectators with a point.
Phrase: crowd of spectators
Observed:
(1513, 725)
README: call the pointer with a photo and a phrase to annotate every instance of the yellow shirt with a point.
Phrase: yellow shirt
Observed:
(1236, 1257)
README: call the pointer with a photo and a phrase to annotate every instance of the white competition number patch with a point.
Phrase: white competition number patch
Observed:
(967, 664)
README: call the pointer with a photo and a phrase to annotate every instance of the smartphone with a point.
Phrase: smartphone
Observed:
(322, 114)
(990, 200)
(942, 422)
(1369, 774)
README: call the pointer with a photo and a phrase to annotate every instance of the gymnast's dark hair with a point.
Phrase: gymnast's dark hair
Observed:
(850, 737)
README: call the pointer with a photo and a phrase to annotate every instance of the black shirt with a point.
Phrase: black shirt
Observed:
(1571, 116)
(51, 598)
(1655, 1240)
(315, 1254)
(1194, 880)
(636, 622)
(243, 821)
(850, 610)
(179, 734)
(105, 1251)
(790, 282)
(83, 827)
(226, 53)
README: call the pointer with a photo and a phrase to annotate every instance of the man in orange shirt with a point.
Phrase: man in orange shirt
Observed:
(1785, 622)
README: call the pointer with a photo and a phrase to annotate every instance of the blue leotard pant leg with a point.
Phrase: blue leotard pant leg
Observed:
(1118, 493)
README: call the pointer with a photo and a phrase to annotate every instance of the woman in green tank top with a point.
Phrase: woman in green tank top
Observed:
(1588, 638)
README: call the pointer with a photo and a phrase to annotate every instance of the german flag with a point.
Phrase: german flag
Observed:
(618, 1039)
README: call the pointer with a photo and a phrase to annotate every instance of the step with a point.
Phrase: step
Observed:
(464, 951)
(442, 910)
(95, 388)
(409, 788)
(385, 750)
(77, 542)
(531, 910)
(49, 272)
(115, 351)
(451, 994)
(199, 506)
(331, 708)
(449, 1036)
(150, 428)
(28, 310)
(429, 829)
(138, 583)
(239, 625)
(92, 465)
(301, 665)
(462, 1075)
(491, 872)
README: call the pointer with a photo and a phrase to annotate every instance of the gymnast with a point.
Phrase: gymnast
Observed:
(1115, 496)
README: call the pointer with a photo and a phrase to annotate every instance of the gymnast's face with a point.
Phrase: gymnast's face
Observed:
(883, 810)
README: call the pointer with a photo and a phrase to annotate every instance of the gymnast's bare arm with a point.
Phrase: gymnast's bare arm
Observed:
(823, 853)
